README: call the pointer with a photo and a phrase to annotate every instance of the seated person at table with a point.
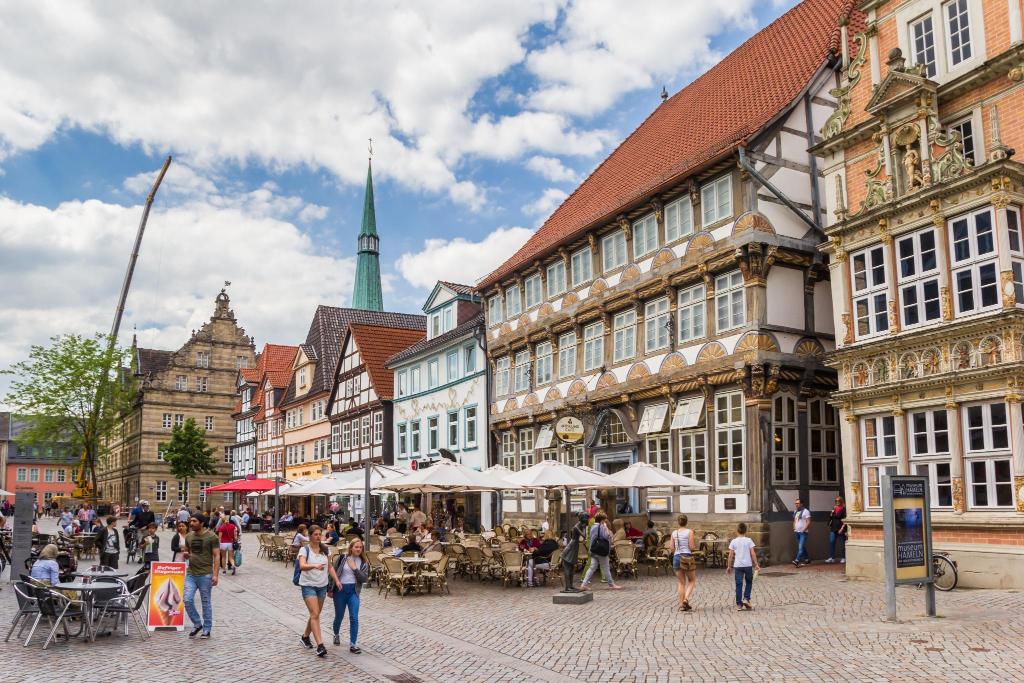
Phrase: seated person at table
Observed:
(287, 518)
(632, 533)
(301, 536)
(541, 558)
(620, 532)
(331, 537)
(46, 568)
(529, 542)
(354, 528)
(650, 535)
(381, 527)
(425, 536)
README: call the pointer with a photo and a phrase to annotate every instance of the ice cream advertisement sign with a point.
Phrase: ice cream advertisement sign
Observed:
(167, 595)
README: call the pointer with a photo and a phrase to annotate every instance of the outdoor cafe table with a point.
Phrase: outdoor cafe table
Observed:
(416, 564)
(86, 589)
(94, 574)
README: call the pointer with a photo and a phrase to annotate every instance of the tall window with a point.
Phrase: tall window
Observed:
(346, 436)
(965, 129)
(167, 421)
(513, 303)
(878, 435)
(729, 438)
(645, 236)
(544, 362)
(525, 448)
(508, 450)
(987, 449)
(336, 437)
(451, 361)
(678, 219)
(986, 429)
(469, 358)
(414, 437)
(922, 40)
(161, 491)
(658, 452)
(918, 278)
(575, 456)
(182, 492)
(613, 251)
(181, 383)
(691, 313)
(453, 430)
(534, 291)
(522, 371)
(929, 446)
(403, 440)
(785, 449)
(202, 384)
(471, 427)
(657, 332)
(823, 426)
(414, 380)
(624, 325)
(556, 278)
(593, 346)
(869, 291)
(494, 316)
(202, 359)
(179, 419)
(581, 267)
(378, 427)
(975, 280)
(959, 25)
(729, 301)
(693, 456)
(433, 372)
(716, 200)
(501, 370)
(209, 423)
(433, 435)
(567, 355)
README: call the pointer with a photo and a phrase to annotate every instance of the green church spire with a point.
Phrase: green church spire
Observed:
(367, 294)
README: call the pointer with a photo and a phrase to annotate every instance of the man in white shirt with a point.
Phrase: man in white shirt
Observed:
(801, 524)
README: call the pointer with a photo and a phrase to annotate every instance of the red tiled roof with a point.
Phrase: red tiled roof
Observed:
(705, 121)
(456, 287)
(376, 345)
(275, 364)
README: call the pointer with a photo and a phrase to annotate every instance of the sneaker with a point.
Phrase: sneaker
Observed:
(354, 649)
(232, 571)
(829, 561)
(306, 642)
(842, 561)
(584, 587)
(321, 650)
(739, 608)
(746, 605)
(195, 632)
(796, 563)
(337, 639)
(805, 563)
(205, 636)
(615, 587)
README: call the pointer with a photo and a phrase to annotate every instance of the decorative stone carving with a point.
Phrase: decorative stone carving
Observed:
(673, 361)
(592, 241)
(756, 341)
(545, 309)
(638, 371)
(577, 388)
(875, 184)
(931, 361)
(1009, 291)
(950, 163)
(553, 394)
(848, 325)
(569, 299)
(880, 371)
(524, 320)
(1018, 485)
(662, 257)
(809, 348)
(861, 375)
(599, 286)
(631, 272)
(711, 351)
(990, 351)
(894, 317)
(510, 404)
(835, 122)
(753, 221)
(531, 400)
(946, 303)
(505, 328)
(856, 502)
(607, 380)
(700, 243)
(963, 356)
(959, 503)
(908, 366)
(840, 210)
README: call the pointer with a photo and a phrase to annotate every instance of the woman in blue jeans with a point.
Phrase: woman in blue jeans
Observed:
(352, 571)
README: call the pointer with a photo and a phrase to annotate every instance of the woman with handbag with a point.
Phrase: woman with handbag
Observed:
(685, 566)
(228, 533)
(316, 573)
(351, 571)
(600, 549)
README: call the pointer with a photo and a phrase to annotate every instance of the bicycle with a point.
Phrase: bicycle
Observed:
(131, 544)
(945, 571)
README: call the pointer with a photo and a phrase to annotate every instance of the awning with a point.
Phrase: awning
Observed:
(244, 485)
(653, 420)
(544, 438)
(688, 413)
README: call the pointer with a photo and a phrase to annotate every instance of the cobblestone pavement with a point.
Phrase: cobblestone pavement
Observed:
(809, 625)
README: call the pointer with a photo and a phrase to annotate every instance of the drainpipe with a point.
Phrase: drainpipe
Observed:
(764, 182)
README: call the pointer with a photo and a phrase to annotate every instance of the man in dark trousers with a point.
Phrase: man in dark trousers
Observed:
(572, 550)
(109, 543)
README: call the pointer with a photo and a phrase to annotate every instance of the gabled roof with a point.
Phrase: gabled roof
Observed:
(459, 293)
(274, 365)
(704, 122)
(148, 361)
(439, 341)
(327, 331)
(378, 343)
(457, 288)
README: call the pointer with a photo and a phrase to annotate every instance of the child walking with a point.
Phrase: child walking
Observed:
(150, 545)
(743, 560)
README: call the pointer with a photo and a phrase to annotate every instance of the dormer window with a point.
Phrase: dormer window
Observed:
(302, 377)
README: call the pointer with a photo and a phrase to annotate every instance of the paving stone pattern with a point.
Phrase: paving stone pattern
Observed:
(810, 624)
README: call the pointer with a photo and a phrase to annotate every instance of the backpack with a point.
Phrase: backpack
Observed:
(298, 572)
(600, 546)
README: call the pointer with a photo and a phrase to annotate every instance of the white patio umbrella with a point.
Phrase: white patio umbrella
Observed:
(444, 475)
(642, 475)
(554, 474)
(5, 493)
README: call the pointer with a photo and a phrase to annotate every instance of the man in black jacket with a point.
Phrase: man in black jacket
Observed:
(144, 518)
(109, 543)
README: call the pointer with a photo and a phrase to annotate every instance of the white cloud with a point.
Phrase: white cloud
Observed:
(460, 260)
(546, 203)
(66, 265)
(553, 169)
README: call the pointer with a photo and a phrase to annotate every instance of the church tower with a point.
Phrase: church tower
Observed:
(367, 294)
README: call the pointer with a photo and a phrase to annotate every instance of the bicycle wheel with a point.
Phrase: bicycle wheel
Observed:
(945, 573)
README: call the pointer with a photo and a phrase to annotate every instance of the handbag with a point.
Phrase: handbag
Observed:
(238, 557)
(298, 572)
(600, 546)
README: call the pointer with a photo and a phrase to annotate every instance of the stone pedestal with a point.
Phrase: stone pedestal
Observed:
(572, 598)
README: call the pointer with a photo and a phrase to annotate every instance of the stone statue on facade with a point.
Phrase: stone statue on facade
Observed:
(572, 551)
(912, 169)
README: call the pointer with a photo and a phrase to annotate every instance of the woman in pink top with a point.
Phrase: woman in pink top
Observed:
(228, 533)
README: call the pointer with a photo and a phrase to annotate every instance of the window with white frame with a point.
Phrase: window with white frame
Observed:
(22, 474)
(181, 383)
(785, 449)
(929, 433)
(823, 429)
(182, 492)
(612, 432)
(161, 491)
(167, 421)
(522, 371)
(730, 304)
(508, 450)
(414, 437)
(346, 436)
(303, 376)
(494, 316)
(873, 483)
(355, 433)
(469, 359)
(453, 430)
(879, 437)
(965, 130)
(179, 419)
(501, 370)
(525, 448)
(678, 219)
(432, 435)
(209, 423)
(534, 291)
(593, 346)
(451, 363)
(513, 302)
(567, 354)
(403, 440)
(693, 455)
(613, 251)
(657, 328)
(366, 430)
(203, 485)
(556, 278)
(470, 432)
(48, 475)
(202, 384)
(975, 270)
(581, 267)
(658, 452)
(575, 456)
(61, 475)
(202, 359)
(958, 26)
(544, 362)
(985, 428)
(335, 437)
(716, 200)
(918, 278)
(378, 427)
(729, 440)
(414, 380)
(691, 313)
(990, 483)
(624, 326)
(922, 44)
(433, 373)
(548, 454)
(870, 293)
(645, 236)
(940, 481)
(448, 318)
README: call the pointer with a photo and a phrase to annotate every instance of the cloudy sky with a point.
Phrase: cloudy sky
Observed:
(484, 116)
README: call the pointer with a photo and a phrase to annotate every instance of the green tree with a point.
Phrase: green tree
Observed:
(73, 391)
(188, 454)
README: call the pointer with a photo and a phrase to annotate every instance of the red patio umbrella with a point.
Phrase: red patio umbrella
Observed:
(244, 486)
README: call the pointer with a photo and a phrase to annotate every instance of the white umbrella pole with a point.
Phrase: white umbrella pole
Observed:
(277, 505)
